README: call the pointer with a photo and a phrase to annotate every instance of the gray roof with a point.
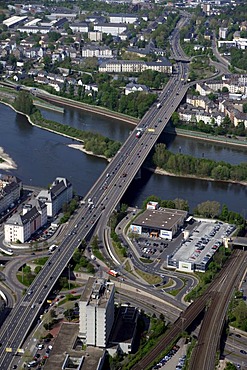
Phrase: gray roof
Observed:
(163, 218)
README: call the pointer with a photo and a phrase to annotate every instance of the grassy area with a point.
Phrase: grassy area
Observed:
(119, 252)
(23, 279)
(146, 260)
(68, 298)
(168, 284)
(40, 261)
(150, 279)
(174, 292)
(98, 254)
(127, 266)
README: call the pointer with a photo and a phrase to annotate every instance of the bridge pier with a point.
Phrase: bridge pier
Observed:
(138, 176)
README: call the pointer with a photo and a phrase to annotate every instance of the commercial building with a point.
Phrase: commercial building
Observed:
(10, 191)
(96, 310)
(160, 223)
(21, 227)
(60, 192)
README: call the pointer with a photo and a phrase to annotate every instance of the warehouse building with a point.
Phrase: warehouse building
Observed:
(159, 223)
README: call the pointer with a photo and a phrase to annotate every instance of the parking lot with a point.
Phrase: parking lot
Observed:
(202, 242)
(150, 248)
(191, 249)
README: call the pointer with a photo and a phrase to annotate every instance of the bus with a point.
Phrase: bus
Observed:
(52, 247)
(113, 273)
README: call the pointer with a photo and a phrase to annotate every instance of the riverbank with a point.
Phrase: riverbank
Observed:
(8, 163)
(160, 171)
(82, 149)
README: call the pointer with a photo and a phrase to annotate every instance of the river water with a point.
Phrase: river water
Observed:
(41, 156)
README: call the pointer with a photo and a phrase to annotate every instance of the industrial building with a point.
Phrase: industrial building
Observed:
(96, 310)
(14, 21)
(161, 223)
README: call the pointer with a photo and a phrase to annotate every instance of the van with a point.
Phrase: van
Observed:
(32, 364)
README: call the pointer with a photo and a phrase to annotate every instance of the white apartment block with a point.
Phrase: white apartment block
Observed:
(114, 29)
(95, 36)
(21, 227)
(222, 32)
(79, 27)
(10, 191)
(128, 66)
(35, 29)
(60, 192)
(89, 51)
(96, 310)
(123, 18)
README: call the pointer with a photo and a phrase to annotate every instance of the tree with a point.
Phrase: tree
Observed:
(181, 204)
(175, 118)
(208, 209)
(225, 89)
(24, 103)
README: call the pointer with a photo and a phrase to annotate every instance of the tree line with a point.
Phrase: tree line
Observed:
(182, 164)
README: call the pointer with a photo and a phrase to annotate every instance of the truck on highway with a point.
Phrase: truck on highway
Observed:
(158, 105)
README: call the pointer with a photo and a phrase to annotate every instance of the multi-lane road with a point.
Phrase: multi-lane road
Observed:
(105, 195)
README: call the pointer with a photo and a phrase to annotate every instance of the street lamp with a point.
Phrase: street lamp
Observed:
(69, 266)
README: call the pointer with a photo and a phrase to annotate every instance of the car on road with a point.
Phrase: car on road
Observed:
(243, 351)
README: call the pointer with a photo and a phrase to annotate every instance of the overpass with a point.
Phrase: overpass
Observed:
(100, 201)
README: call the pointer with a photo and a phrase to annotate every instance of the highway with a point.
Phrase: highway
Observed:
(101, 200)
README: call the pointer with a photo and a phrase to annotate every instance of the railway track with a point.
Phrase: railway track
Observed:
(203, 357)
(222, 285)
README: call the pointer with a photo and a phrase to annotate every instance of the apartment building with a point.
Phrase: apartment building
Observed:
(60, 192)
(123, 18)
(79, 27)
(96, 51)
(10, 191)
(128, 66)
(114, 29)
(96, 310)
(20, 227)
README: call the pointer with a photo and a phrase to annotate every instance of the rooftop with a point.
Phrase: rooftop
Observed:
(163, 218)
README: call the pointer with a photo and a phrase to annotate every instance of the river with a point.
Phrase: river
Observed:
(41, 156)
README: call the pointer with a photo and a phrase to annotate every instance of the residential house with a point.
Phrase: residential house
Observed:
(132, 87)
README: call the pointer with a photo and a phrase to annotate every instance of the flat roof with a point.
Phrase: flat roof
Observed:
(188, 248)
(12, 20)
(162, 218)
(64, 344)
(97, 292)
